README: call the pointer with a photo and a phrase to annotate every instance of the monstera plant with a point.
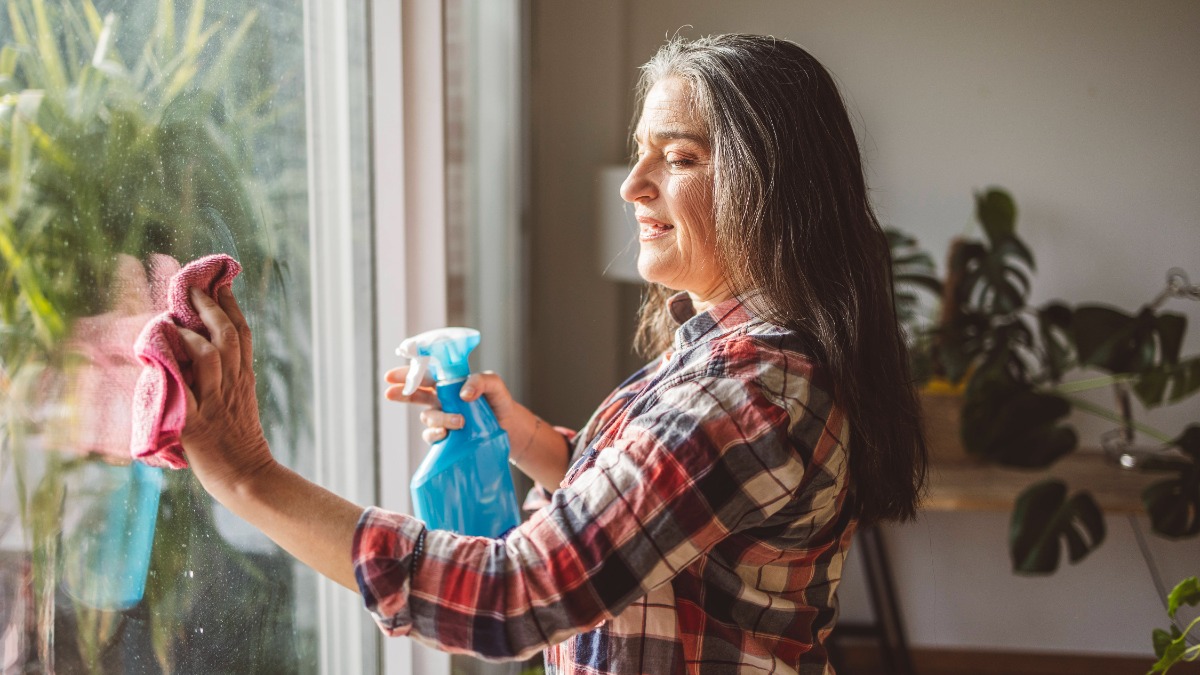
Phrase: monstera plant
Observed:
(117, 150)
(1012, 361)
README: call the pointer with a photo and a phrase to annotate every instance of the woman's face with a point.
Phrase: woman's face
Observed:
(671, 188)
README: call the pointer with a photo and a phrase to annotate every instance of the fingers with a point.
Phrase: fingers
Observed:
(487, 384)
(439, 424)
(422, 396)
(245, 338)
(206, 363)
(434, 435)
(399, 375)
(224, 333)
(434, 418)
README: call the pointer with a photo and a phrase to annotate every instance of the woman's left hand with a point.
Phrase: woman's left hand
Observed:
(223, 438)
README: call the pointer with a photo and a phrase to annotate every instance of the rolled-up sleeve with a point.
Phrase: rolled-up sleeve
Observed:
(710, 457)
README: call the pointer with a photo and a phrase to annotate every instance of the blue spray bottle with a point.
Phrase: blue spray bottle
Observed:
(464, 482)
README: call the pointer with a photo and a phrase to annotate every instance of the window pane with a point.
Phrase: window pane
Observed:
(136, 136)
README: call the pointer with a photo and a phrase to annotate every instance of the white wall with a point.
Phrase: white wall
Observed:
(1088, 112)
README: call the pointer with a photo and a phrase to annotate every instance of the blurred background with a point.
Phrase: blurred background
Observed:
(1088, 113)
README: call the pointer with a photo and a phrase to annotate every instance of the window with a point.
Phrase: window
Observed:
(138, 134)
(134, 136)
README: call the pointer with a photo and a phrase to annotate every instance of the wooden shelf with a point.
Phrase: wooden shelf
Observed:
(965, 485)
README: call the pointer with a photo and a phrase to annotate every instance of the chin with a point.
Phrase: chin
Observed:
(651, 271)
(650, 277)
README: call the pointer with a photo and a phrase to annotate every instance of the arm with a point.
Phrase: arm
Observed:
(226, 448)
(229, 454)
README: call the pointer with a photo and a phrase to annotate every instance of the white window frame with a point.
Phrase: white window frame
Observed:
(344, 409)
(498, 171)
(365, 451)
(409, 162)
(407, 252)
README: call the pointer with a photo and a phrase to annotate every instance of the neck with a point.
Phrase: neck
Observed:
(702, 302)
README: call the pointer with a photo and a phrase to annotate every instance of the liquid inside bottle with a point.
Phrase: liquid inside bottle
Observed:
(464, 484)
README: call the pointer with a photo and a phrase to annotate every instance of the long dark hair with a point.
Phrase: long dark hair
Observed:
(794, 221)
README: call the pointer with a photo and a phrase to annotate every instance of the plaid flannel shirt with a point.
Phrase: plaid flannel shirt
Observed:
(702, 526)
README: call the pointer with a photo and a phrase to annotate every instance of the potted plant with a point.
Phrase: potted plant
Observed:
(1011, 363)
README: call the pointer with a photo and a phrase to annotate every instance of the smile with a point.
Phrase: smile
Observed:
(653, 229)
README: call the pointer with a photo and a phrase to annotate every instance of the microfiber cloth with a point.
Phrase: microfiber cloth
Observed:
(160, 398)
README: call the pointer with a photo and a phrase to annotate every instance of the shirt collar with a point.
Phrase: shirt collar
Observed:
(720, 319)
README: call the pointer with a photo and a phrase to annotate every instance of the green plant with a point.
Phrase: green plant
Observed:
(1171, 646)
(1012, 360)
(913, 271)
(113, 150)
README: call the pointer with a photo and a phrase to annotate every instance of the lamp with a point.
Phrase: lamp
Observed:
(617, 253)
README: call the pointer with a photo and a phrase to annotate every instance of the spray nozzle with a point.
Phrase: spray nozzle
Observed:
(444, 351)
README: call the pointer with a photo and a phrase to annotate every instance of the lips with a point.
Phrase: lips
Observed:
(652, 229)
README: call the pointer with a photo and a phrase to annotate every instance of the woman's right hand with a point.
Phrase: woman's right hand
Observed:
(438, 423)
(536, 448)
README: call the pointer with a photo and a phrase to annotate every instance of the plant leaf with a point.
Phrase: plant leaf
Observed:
(1186, 592)
(1182, 378)
(8, 61)
(1054, 328)
(1113, 340)
(1162, 639)
(929, 283)
(47, 47)
(1174, 504)
(1043, 517)
(1022, 251)
(1189, 442)
(997, 213)
(1170, 328)
(1172, 649)
(218, 71)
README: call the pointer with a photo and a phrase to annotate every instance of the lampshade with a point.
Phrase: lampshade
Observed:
(616, 255)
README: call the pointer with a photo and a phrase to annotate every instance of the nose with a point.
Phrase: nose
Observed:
(638, 185)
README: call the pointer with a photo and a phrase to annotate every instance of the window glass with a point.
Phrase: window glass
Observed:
(135, 136)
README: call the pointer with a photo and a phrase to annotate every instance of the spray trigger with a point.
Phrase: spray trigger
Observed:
(418, 365)
(417, 368)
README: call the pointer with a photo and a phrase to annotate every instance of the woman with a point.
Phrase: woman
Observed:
(702, 517)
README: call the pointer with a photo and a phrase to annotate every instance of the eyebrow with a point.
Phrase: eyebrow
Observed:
(675, 134)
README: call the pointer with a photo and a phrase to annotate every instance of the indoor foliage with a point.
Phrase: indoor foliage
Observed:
(115, 147)
(1012, 361)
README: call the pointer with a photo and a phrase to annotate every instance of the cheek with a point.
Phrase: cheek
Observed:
(693, 199)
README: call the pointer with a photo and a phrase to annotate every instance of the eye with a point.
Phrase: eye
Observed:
(680, 162)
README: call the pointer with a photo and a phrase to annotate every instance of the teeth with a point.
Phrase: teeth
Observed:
(654, 229)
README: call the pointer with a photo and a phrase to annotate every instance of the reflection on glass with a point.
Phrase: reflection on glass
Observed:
(106, 566)
(137, 135)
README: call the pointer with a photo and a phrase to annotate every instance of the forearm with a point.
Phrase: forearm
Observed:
(538, 449)
(225, 447)
(308, 521)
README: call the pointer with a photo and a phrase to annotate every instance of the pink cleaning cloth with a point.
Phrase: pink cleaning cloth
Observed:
(160, 398)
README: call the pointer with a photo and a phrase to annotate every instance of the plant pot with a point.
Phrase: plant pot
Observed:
(941, 412)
